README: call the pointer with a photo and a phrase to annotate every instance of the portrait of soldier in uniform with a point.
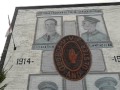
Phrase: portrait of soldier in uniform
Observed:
(45, 82)
(92, 34)
(50, 36)
(47, 85)
(106, 83)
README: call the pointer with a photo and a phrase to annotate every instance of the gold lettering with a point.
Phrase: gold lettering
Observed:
(71, 37)
(58, 52)
(85, 50)
(85, 67)
(83, 47)
(73, 75)
(79, 74)
(86, 58)
(86, 54)
(68, 74)
(62, 42)
(61, 68)
(86, 63)
(58, 59)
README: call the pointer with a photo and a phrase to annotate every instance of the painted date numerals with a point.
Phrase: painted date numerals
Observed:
(23, 61)
(116, 58)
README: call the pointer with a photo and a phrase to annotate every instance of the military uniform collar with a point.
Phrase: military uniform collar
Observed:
(93, 33)
(52, 36)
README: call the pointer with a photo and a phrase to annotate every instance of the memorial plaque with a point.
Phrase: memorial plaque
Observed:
(47, 62)
(77, 85)
(72, 57)
(98, 63)
(70, 28)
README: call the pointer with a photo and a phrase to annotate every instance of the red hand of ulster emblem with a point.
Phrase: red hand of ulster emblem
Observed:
(72, 56)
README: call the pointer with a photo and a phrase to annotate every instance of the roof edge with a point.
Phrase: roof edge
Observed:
(4, 53)
(69, 5)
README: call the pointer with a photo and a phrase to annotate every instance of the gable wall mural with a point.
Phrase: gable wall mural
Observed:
(36, 33)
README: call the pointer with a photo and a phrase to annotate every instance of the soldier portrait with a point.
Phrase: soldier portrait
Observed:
(50, 35)
(45, 82)
(93, 29)
(92, 34)
(103, 81)
(48, 32)
(106, 83)
(47, 85)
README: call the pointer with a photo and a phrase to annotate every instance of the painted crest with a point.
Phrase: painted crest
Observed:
(72, 57)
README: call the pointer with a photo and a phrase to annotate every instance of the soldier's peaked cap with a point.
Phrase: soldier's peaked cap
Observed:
(47, 84)
(106, 82)
(91, 19)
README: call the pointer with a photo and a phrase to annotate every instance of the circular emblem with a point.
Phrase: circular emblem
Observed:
(72, 57)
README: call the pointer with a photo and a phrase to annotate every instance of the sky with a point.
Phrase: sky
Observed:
(7, 7)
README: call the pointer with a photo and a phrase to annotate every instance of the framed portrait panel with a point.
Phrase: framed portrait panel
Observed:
(48, 32)
(103, 81)
(40, 81)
